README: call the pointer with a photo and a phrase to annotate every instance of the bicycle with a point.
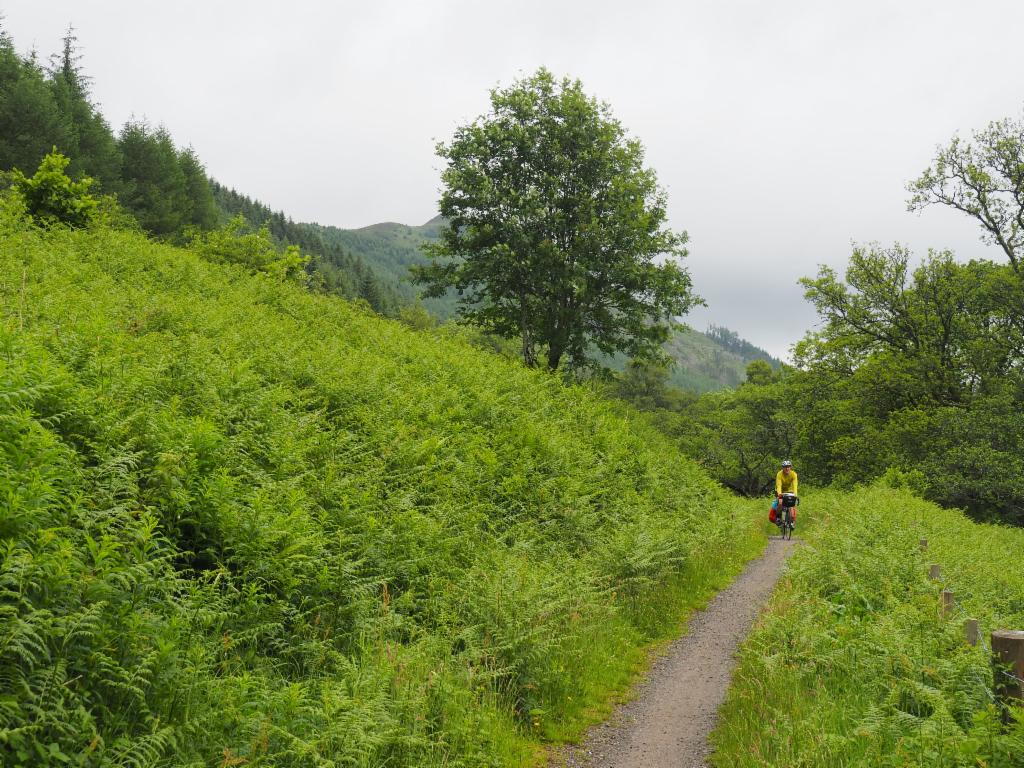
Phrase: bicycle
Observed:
(786, 520)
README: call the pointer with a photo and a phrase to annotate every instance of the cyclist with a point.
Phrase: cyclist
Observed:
(785, 482)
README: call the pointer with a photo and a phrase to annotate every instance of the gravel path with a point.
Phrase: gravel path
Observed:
(668, 722)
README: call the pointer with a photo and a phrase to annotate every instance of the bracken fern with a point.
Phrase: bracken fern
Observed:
(243, 524)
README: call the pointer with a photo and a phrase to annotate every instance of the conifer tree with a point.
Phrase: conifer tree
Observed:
(91, 144)
(155, 189)
(30, 122)
(202, 209)
(369, 289)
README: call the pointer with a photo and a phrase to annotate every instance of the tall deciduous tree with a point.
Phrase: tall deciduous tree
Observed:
(555, 229)
(985, 180)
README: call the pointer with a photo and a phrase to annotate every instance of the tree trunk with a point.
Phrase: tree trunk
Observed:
(525, 330)
(528, 351)
(554, 357)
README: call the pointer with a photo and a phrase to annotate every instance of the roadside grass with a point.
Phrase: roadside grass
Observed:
(243, 524)
(665, 619)
(853, 663)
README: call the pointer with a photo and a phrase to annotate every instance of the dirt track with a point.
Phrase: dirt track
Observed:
(668, 722)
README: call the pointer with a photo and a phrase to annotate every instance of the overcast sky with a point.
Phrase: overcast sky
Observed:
(782, 130)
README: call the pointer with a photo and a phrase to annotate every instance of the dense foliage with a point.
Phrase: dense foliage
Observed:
(240, 521)
(556, 233)
(51, 197)
(918, 369)
(922, 368)
(854, 663)
(915, 369)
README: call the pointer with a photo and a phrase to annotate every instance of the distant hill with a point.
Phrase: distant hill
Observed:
(712, 360)
(371, 262)
(390, 249)
(341, 271)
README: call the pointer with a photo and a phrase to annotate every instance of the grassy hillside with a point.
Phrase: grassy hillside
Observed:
(245, 524)
(854, 664)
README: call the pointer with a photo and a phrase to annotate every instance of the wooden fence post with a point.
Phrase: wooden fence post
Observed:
(971, 633)
(947, 602)
(935, 572)
(1008, 649)
(923, 543)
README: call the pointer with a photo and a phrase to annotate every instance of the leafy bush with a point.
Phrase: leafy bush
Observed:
(51, 197)
(854, 663)
(240, 521)
(257, 251)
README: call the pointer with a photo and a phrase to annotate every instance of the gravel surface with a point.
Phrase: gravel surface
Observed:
(674, 710)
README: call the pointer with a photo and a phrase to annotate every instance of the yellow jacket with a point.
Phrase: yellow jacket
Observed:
(785, 483)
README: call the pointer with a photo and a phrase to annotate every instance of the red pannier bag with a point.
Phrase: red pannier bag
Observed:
(771, 514)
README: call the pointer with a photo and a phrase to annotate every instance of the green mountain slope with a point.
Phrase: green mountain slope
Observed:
(244, 522)
(392, 249)
(371, 263)
(341, 271)
(707, 362)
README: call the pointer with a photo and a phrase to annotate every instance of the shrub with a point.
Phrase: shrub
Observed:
(51, 197)
(256, 251)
